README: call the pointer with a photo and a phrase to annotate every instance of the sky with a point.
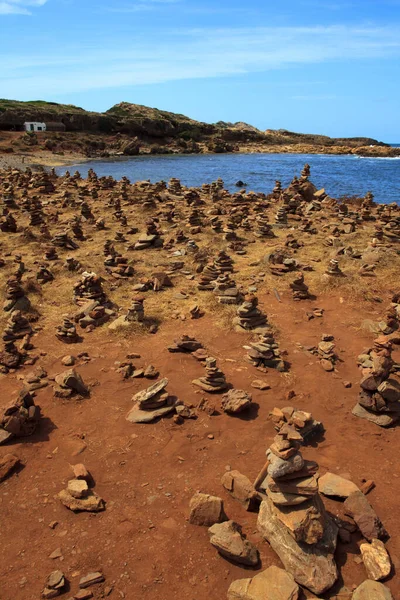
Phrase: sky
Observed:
(312, 66)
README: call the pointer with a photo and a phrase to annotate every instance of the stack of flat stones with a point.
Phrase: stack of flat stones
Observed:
(50, 253)
(8, 224)
(226, 290)
(281, 217)
(379, 398)
(249, 316)
(223, 262)
(208, 277)
(67, 332)
(151, 403)
(299, 288)
(185, 344)
(151, 238)
(62, 240)
(20, 418)
(302, 421)
(15, 296)
(264, 228)
(136, 311)
(89, 288)
(333, 269)
(265, 353)
(214, 380)
(326, 352)
(17, 327)
(43, 274)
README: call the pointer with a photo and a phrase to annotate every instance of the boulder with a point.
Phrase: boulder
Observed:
(206, 510)
(272, 584)
(241, 488)
(372, 590)
(358, 507)
(312, 566)
(227, 538)
(376, 560)
(336, 486)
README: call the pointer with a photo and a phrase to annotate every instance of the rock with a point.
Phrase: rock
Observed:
(358, 507)
(258, 384)
(279, 467)
(272, 584)
(241, 489)
(5, 436)
(227, 538)
(376, 560)
(83, 595)
(149, 393)
(73, 381)
(91, 503)
(206, 510)
(80, 472)
(312, 566)
(236, 401)
(372, 590)
(336, 486)
(304, 522)
(77, 488)
(8, 464)
(55, 585)
(136, 415)
(91, 579)
(383, 420)
(68, 361)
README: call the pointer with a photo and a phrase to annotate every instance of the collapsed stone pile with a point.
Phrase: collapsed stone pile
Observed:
(15, 296)
(151, 403)
(89, 288)
(17, 327)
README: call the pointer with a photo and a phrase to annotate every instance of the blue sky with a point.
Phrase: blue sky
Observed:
(321, 66)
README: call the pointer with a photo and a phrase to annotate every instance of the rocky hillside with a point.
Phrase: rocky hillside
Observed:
(152, 124)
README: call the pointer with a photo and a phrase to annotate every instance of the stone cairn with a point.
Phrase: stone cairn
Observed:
(67, 332)
(72, 264)
(50, 253)
(185, 344)
(264, 228)
(17, 327)
(379, 398)
(10, 357)
(44, 275)
(223, 262)
(89, 288)
(15, 296)
(299, 288)
(333, 269)
(265, 353)
(292, 516)
(277, 191)
(76, 228)
(115, 263)
(136, 311)
(281, 217)
(249, 316)
(326, 352)
(300, 420)
(208, 277)
(214, 380)
(151, 403)
(20, 418)
(226, 290)
(8, 224)
(152, 237)
(62, 240)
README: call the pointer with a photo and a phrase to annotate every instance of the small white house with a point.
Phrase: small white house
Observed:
(34, 126)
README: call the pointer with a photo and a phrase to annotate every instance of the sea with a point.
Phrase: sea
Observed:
(346, 175)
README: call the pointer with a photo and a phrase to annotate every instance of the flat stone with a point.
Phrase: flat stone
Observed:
(304, 522)
(312, 566)
(227, 538)
(240, 488)
(376, 560)
(258, 384)
(5, 436)
(136, 415)
(358, 507)
(91, 579)
(336, 486)
(92, 502)
(279, 467)
(272, 584)
(383, 420)
(8, 464)
(236, 401)
(206, 510)
(83, 595)
(372, 590)
(150, 392)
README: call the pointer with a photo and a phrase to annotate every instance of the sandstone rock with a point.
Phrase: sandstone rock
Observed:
(227, 538)
(358, 507)
(77, 488)
(206, 510)
(376, 560)
(149, 393)
(304, 522)
(272, 584)
(236, 401)
(383, 420)
(54, 585)
(91, 579)
(312, 566)
(91, 503)
(241, 489)
(279, 467)
(336, 486)
(136, 415)
(372, 590)
(73, 381)
(8, 464)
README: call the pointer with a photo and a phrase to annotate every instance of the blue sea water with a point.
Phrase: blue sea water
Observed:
(339, 175)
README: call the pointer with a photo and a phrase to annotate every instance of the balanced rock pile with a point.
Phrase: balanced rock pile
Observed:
(78, 495)
(214, 381)
(67, 332)
(88, 288)
(17, 327)
(292, 517)
(300, 420)
(265, 353)
(299, 288)
(226, 290)
(20, 418)
(249, 316)
(151, 403)
(185, 344)
(379, 398)
(15, 296)
(326, 352)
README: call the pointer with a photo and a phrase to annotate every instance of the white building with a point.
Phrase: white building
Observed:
(34, 126)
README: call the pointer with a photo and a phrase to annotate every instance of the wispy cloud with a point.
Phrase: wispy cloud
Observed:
(140, 5)
(19, 7)
(194, 54)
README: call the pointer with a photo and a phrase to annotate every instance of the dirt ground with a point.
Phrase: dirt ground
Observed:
(147, 474)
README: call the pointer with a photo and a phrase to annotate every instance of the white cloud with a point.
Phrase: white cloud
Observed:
(19, 7)
(200, 53)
